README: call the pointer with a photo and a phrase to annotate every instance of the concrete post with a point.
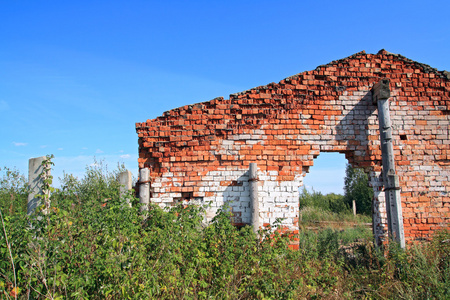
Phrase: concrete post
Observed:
(254, 200)
(35, 182)
(381, 94)
(144, 188)
(354, 207)
(125, 181)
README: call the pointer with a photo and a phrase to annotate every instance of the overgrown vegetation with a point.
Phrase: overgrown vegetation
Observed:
(91, 245)
(330, 213)
(13, 192)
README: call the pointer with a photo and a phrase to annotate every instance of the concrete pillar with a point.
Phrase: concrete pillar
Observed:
(144, 188)
(36, 182)
(354, 207)
(125, 181)
(381, 94)
(254, 200)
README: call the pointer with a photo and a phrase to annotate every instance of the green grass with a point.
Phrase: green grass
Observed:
(317, 214)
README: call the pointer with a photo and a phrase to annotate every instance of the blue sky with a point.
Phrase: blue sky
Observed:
(75, 76)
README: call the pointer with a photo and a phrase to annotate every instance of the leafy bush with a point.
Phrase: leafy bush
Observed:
(92, 245)
(13, 192)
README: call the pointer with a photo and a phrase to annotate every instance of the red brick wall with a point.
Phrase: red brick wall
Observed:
(202, 151)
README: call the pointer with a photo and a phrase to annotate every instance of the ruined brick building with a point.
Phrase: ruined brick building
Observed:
(201, 152)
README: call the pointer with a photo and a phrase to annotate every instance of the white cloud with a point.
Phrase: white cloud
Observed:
(125, 156)
(44, 146)
(60, 149)
(19, 144)
(98, 151)
(3, 105)
(84, 148)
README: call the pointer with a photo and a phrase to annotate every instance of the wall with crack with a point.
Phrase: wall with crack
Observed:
(201, 153)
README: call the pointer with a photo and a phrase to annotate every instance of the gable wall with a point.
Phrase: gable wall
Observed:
(203, 151)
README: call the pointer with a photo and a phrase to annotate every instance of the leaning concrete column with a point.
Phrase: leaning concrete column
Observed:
(36, 182)
(125, 181)
(144, 188)
(381, 94)
(254, 201)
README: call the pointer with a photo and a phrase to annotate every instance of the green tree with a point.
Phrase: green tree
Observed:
(356, 188)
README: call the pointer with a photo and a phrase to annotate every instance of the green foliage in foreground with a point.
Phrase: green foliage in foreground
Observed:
(92, 245)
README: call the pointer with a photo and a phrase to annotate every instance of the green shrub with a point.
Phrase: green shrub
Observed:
(92, 245)
(13, 192)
